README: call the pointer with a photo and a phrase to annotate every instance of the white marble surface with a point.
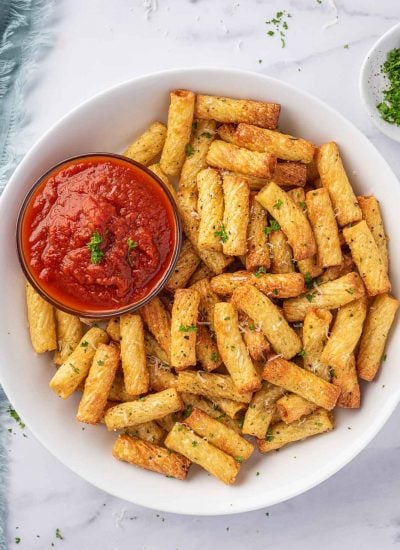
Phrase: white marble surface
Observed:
(102, 42)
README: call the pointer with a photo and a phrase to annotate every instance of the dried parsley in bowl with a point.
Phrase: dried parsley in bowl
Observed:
(389, 108)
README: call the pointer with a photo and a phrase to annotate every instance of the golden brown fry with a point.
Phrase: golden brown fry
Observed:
(133, 354)
(258, 251)
(236, 215)
(252, 137)
(161, 376)
(179, 128)
(372, 215)
(69, 333)
(42, 326)
(233, 350)
(261, 410)
(237, 159)
(226, 109)
(147, 146)
(210, 207)
(211, 408)
(284, 285)
(113, 329)
(254, 339)
(323, 222)
(207, 350)
(269, 318)
(281, 434)
(117, 391)
(368, 258)
(301, 382)
(185, 267)
(184, 327)
(158, 321)
(149, 431)
(290, 218)
(315, 336)
(203, 134)
(151, 457)
(332, 273)
(309, 267)
(287, 174)
(211, 385)
(144, 409)
(183, 440)
(98, 384)
(219, 435)
(281, 253)
(75, 369)
(330, 295)
(208, 299)
(292, 407)
(334, 179)
(376, 329)
(231, 408)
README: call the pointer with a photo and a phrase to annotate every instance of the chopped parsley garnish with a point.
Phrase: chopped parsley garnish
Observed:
(346, 46)
(302, 353)
(131, 244)
(214, 356)
(241, 422)
(239, 459)
(58, 534)
(187, 411)
(260, 270)
(194, 125)
(302, 205)
(189, 150)
(278, 204)
(252, 327)
(194, 443)
(13, 413)
(310, 296)
(350, 290)
(84, 344)
(279, 24)
(206, 134)
(17, 540)
(384, 357)
(389, 108)
(227, 318)
(96, 254)
(188, 328)
(222, 234)
(100, 363)
(273, 226)
(269, 437)
(308, 280)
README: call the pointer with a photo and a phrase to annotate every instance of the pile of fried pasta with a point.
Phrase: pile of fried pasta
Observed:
(278, 305)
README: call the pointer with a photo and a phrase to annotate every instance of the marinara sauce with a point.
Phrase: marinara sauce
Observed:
(98, 233)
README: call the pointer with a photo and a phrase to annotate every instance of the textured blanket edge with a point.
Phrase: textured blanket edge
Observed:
(24, 41)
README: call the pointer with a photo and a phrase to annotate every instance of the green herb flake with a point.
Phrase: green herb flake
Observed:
(346, 46)
(94, 245)
(332, 373)
(58, 534)
(257, 473)
(17, 540)
(194, 443)
(189, 150)
(84, 344)
(384, 357)
(239, 459)
(350, 290)
(100, 363)
(308, 280)
(222, 234)
(206, 134)
(273, 226)
(278, 26)
(194, 125)
(269, 437)
(131, 244)
(227, 318)
(187, 411)
(241, 422)
(309, 297)
(389, 108)
(302, 205)
(251, 327)
(260, 270)
(13, 413)
(188, 328)
(302, 353)
(214, 356)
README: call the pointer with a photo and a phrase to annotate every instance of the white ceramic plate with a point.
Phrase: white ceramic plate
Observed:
(108, 122)
(373, 81)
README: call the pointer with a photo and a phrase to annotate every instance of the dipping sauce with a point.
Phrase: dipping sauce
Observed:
(98, 233)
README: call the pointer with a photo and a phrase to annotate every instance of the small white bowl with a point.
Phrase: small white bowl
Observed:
(108, 122)
(373, 82)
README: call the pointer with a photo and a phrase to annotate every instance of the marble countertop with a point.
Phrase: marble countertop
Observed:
(99, 43)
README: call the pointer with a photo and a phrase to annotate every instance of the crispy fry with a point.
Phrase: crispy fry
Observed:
(376, 329)
(236, 215)
(184, 327)
(150, 457)
(330, 295)
(265, 314)
(315, 336)
(284, 285)
(147, 146)
(133, 354)
(261, 410)
(301, 382)
(258, 252)
(237, 159)
(185, 267)
(211, 385)
(254, 339)
(207, 350)
(158, 321)
(281, 253)
(69, 333)
(42, 326)
(372, 215)
(210, 209)
(292, 407)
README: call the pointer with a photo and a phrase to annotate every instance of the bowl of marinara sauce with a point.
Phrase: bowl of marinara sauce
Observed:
(98, 235)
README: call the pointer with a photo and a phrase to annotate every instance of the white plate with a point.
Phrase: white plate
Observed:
(373, 82)
(108, 122)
